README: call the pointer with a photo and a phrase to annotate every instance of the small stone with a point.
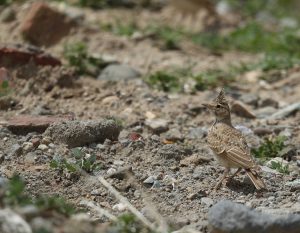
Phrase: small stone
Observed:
(194, 159)
(116, 72)
(285, 112)
(294, 185)
(27, 146)
(8, 15)
(16, 150)
(197, 133)
(46, 140)
(110, 100)
(13, 223)
(241, 110)
(250, 99)
(269, 102)
(157, 125)
(44, 25)
(150, 115)
(119, 207)
(173, 135)
(207, 201)
(43, 147)
(121, 173)
(111, 171)
(262, 131)
(265, 112)
(96, 192)
(149, 180)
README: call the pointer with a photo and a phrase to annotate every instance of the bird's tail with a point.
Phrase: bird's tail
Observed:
(256, 180)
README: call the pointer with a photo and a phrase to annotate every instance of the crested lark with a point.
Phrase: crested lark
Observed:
(229, 145)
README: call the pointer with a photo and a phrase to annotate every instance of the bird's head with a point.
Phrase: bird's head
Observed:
(219, 107)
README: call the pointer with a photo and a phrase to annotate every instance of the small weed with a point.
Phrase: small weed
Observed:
(4, 88)
(120, 28)
(78, 57)
(55, 203)
(165, 81)
(85, 161)
(212, 79)
(82, 161)
(127, 223)
(62, 164)
(270, 148)
(95, 4)
(170, 37)
(252, 37)
(14, 195)
(280, 167)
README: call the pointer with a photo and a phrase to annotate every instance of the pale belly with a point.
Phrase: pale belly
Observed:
(225, 162)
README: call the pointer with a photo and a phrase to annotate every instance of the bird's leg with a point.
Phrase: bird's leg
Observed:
(234, 174)
(222, 178)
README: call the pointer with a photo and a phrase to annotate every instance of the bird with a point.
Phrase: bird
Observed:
(229, 144)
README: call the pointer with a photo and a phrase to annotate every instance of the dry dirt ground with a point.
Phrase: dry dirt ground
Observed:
(183, 189)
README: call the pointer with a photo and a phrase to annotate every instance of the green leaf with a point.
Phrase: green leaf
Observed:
(77, 153)
(5, 84)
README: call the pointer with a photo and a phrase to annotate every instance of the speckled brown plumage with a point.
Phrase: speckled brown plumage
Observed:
(229, 145)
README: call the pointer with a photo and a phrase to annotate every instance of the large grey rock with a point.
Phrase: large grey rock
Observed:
(10, 222)
(285, 112)
(229, 217)
(117, 72)
(79, 133)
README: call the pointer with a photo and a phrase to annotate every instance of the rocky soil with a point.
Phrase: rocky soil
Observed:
(72, 128)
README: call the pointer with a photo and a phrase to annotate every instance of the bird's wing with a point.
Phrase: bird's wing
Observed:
(230, 142)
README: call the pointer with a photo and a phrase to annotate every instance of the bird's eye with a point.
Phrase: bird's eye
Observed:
(218, 106)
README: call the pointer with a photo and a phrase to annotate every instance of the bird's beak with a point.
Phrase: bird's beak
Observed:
(208, 106)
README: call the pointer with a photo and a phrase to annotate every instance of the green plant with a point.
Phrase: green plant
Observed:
(252, 37)
(280, 167)
(127, 223)
(165, 81)
(78, 57)
(96, 4)
(170, 37)
(15, 196)
(62, 164)
(213, 78)
(54, 203)
(86, 162)
(4, 88)
(122, 29)
(270, 148)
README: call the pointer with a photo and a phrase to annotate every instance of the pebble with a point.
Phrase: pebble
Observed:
(157, 125)
(207, 201)
(242, 110)
(294, 185)
(277, 160)
(285, 112)
(118, 72)
(43, 147)
(11, 222)
(16, 150)
(119, 207)
(197, 133)
(27, 146)
(149, 180)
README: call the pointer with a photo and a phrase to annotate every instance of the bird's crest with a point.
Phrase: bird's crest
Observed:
(221, 97)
